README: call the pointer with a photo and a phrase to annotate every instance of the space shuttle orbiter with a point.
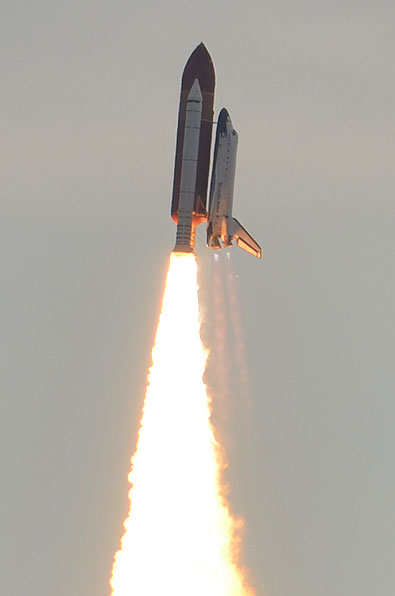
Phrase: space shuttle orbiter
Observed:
(222, 228)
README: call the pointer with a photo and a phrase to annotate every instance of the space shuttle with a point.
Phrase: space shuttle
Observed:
(192, 163)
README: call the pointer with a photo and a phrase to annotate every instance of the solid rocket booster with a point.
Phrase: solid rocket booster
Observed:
(185, 237)
(198, 67)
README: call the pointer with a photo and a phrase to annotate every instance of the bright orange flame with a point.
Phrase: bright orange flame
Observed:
(180, 538)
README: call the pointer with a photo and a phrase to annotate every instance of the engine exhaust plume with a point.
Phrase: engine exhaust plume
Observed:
(180, 537)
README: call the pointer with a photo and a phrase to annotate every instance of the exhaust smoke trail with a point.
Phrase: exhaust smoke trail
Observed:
(218, 363)
(180, 538)
(239, 345)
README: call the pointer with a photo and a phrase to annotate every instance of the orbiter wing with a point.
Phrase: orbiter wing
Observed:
(243, 239)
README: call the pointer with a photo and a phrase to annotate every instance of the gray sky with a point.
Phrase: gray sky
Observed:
(89, 100)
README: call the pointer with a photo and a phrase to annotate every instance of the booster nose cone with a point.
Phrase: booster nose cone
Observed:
(195, 93)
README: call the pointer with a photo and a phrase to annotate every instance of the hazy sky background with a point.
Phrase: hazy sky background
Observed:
(89, 99)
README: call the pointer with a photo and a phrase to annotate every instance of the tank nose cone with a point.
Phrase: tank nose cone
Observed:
(199, 66)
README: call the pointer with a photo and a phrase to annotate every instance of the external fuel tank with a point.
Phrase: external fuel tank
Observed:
(199, 66)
